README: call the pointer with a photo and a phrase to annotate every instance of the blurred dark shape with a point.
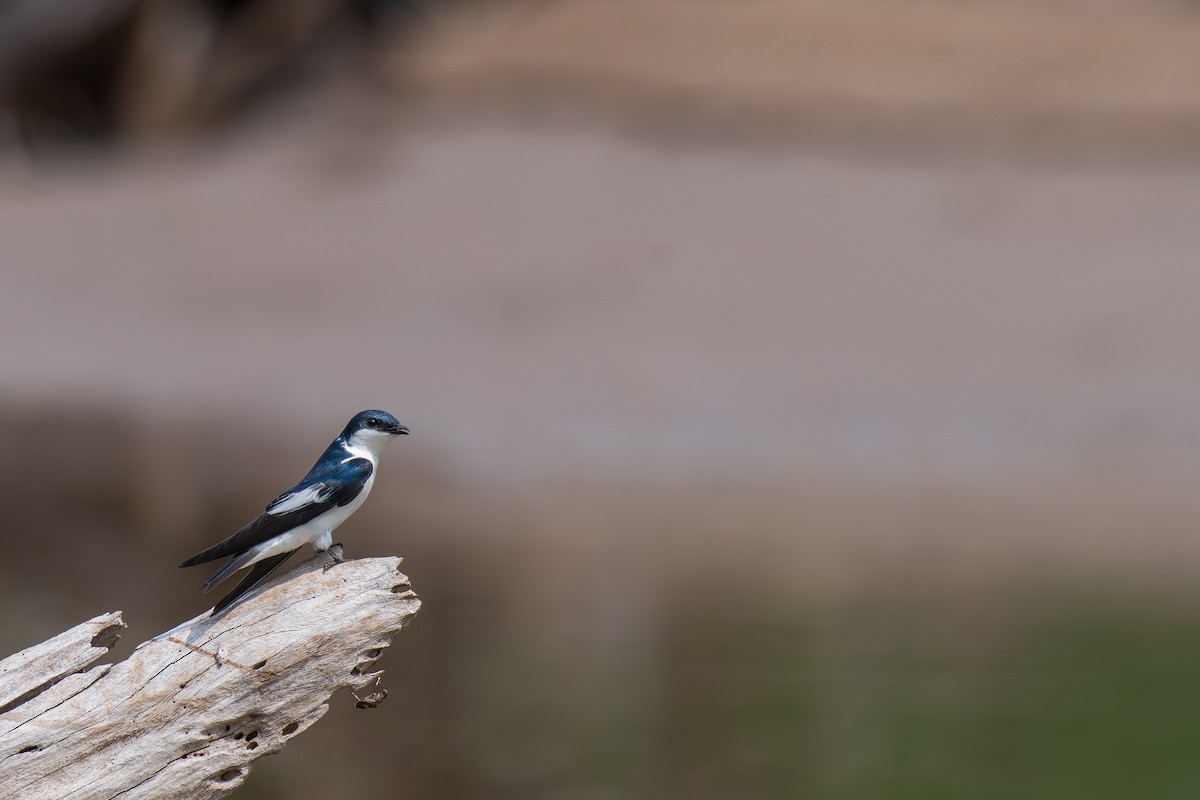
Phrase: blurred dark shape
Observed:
(58, 70)
(132, 68)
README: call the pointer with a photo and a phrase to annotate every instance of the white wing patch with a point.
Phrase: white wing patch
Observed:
(316, 493)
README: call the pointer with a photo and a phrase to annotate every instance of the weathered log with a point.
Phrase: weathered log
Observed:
(186, 714)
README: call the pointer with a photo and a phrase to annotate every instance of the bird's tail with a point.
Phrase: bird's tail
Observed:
(231, 566)
(257, 574)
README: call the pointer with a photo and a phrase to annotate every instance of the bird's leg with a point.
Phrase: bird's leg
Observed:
(335, 556)
(328, 550)
(323, 542)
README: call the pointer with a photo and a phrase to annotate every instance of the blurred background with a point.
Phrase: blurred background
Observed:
(803, 392)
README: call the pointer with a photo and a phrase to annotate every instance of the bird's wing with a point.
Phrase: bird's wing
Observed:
(257, 574)
(314, 494)
(304, 502)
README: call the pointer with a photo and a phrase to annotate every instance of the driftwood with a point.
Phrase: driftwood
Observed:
(186, 714)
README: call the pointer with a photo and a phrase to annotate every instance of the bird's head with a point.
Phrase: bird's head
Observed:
(371, 430)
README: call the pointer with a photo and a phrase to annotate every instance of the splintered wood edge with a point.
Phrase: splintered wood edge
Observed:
(26, 674)
(189, 711)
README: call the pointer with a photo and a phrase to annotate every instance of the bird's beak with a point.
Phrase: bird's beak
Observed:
(399, 430)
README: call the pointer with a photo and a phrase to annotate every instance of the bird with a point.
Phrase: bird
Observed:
(308, 512)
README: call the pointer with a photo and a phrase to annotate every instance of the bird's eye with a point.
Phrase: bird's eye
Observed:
(373, 422)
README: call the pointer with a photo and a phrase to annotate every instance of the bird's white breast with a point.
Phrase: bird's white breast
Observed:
(311, 531)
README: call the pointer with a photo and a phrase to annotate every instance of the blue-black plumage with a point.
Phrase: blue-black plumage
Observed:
(308, 512)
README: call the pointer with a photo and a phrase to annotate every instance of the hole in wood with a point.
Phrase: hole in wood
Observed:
(374, 652)
(230, 775)
(33, 748)
(238, 735)
(251, 745)
(400, 587)
(108, 636)
(251, 736)
(291, 728)
(260, 664)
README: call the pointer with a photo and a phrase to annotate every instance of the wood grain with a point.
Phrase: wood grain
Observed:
(189, 711)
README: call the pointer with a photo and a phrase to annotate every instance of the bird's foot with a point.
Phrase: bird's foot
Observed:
(334, 553)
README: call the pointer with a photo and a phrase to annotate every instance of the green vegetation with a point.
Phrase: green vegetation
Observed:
(921, 700)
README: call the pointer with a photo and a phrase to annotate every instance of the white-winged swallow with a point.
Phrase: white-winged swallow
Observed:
(308, 512)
